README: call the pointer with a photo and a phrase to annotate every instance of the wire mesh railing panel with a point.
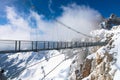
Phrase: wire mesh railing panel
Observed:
(26, 45)
(7, 45)
(55, 45)
(46, 45)
(41, 45)
(63, 44)
(51, 45)
(69, 45)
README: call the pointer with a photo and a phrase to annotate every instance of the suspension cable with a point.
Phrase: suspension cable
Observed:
(78, 32)
(35, 64)
(52, 69)
(43, 61)
(58, 65)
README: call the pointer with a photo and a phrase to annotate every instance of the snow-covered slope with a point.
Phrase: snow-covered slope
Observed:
(35, 65)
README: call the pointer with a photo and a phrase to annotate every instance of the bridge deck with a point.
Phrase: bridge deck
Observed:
(9, 46)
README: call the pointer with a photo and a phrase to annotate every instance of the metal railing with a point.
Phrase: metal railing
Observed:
(12, 46)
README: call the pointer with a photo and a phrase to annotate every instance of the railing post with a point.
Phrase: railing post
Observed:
(36, 46)
(64, 44)
(32, 45)
(57, 45)
(53, 45)
(83, 44)
(15, 46)
(71, 44)
(61, 45)
(43, 45)
(48, 45)
(86, 44)
(75, 44)
(19, 44)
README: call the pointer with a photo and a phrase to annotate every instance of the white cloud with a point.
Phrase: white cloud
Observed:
(17, 28)
(81, 18)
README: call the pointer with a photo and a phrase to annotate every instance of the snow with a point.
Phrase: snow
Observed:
(114, 49)
(115, 31)
(118, 54)
(35, 65)
(38, 71)
(92, 56)
(117, 75)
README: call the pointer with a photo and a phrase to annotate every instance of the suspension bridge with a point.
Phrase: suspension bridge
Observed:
(13, 46)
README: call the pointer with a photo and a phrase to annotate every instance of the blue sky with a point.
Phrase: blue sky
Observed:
(24, 17)
(52, 8)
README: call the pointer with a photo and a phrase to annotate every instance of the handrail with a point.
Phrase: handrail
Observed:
(26, 46)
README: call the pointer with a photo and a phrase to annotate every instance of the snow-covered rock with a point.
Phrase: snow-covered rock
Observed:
(107, 59)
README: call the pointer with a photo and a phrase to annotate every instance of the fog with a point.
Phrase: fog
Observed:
(33, 27)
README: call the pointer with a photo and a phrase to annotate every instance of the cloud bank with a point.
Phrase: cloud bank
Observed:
(34, 27)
